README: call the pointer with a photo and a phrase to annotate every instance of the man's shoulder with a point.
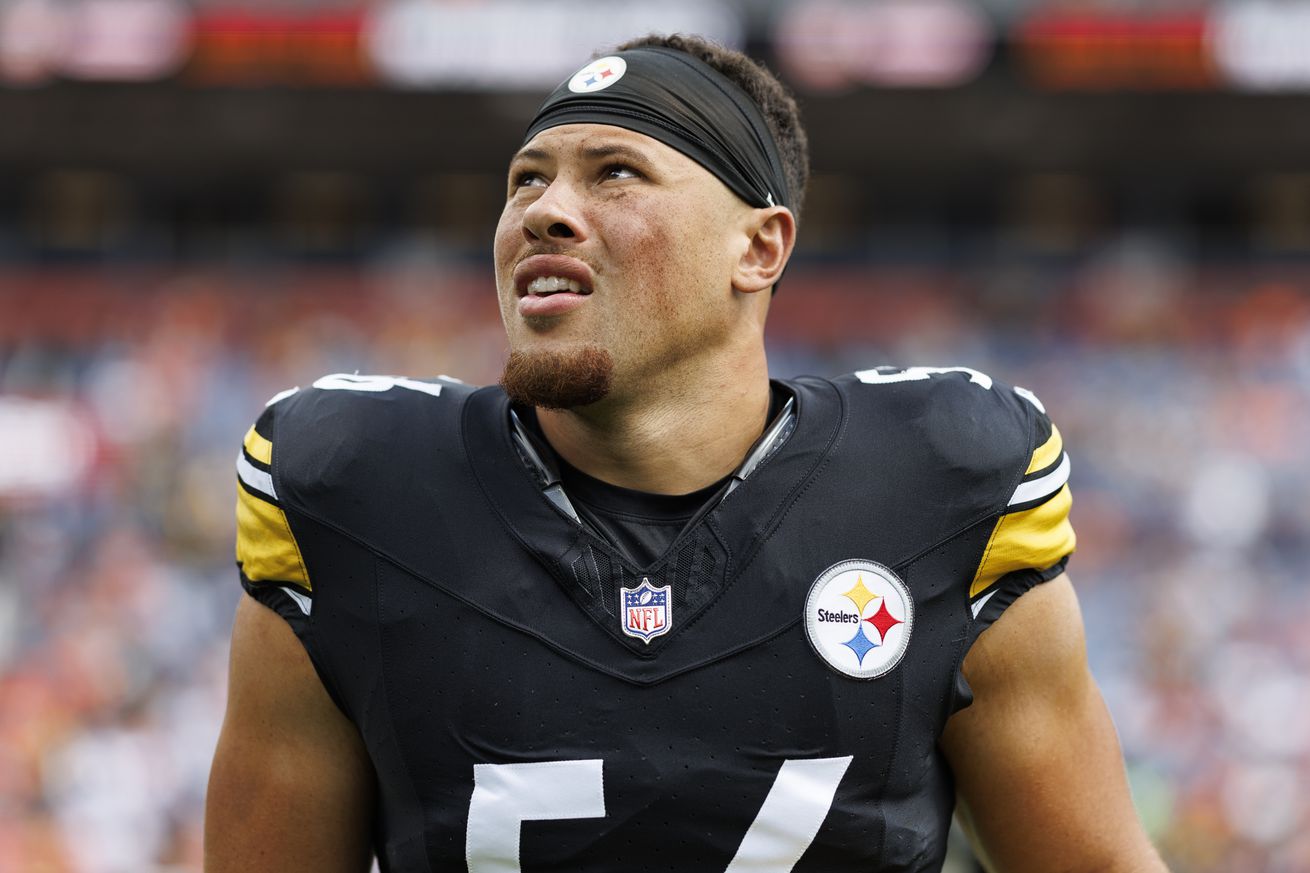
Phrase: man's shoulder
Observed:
(347, 405)
(942, 393)
(954, 419)
(347, 425)
(365, 394)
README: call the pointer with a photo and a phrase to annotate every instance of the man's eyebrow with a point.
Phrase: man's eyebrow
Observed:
(613, 150)
(530, 154)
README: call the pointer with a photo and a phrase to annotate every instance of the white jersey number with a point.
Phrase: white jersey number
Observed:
(354, 382)
(877, 376)
(506, 795)
(914, 374)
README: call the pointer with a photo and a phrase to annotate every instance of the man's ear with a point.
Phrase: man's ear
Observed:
(772, 235)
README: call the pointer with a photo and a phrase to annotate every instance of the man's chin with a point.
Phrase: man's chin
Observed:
(558, 378)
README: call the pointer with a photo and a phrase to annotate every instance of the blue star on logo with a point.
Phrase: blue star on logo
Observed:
(860, 645)
(590, 80)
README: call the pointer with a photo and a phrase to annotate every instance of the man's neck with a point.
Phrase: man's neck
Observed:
(673, 437)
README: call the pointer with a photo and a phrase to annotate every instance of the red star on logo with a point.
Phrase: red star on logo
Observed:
(883, 620)
(606, 73)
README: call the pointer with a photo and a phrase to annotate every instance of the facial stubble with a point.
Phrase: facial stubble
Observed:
(558, 379)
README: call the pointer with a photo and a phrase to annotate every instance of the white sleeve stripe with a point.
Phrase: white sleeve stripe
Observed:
(1045, 486)
(301, 600)
(255, 478)
(981, 602)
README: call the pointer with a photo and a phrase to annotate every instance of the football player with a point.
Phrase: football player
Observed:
(641, 608)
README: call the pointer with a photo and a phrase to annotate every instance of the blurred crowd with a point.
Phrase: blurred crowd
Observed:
(1182, 391)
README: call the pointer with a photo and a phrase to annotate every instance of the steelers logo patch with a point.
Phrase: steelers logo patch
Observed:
(858, 617)
(598, 75)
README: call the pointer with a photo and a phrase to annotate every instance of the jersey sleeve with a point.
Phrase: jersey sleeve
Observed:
(271, 567)
(1032, 537)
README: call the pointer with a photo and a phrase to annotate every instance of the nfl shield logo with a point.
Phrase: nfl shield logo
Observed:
(647, 612)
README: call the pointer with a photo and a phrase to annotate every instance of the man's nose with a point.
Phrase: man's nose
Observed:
(554, 216)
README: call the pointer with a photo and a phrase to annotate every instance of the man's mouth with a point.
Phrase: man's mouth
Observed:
(550, 286)
(541, 276)
(544, 286)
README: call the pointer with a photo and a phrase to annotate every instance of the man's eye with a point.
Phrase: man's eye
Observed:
(529, 180)
(620, 171)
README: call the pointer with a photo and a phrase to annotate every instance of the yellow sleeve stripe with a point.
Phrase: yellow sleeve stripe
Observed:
(1047, 453)
(266, 549)
(258, 448)
(1035, 538)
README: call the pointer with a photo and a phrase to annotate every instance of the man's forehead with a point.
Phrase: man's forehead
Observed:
(596, 141)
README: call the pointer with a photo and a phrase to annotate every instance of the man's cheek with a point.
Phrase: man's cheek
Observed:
(652, 252)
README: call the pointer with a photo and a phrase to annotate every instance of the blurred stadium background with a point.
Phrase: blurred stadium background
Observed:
(202, 203)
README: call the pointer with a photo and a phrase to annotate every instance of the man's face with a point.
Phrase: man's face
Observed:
(612, 242)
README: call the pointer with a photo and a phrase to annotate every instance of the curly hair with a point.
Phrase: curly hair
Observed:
(772, 97)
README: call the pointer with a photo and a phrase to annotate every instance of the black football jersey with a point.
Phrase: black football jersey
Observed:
(767, 696)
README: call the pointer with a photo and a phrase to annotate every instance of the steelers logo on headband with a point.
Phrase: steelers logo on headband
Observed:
(598, 75)
(678, 99)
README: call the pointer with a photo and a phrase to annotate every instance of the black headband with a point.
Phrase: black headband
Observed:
(684, 103)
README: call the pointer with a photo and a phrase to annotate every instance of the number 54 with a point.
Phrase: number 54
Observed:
(506, 795)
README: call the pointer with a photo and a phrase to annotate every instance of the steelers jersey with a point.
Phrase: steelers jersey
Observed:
(766, 696)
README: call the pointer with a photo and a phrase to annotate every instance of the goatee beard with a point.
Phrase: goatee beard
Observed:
(558, 379)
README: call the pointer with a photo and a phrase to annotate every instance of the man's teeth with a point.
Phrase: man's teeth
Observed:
(552, 284)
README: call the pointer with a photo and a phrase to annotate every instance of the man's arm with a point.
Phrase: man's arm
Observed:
(1039, 773)
(291, 787)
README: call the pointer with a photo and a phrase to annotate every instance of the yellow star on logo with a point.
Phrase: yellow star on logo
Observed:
(859, 595)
